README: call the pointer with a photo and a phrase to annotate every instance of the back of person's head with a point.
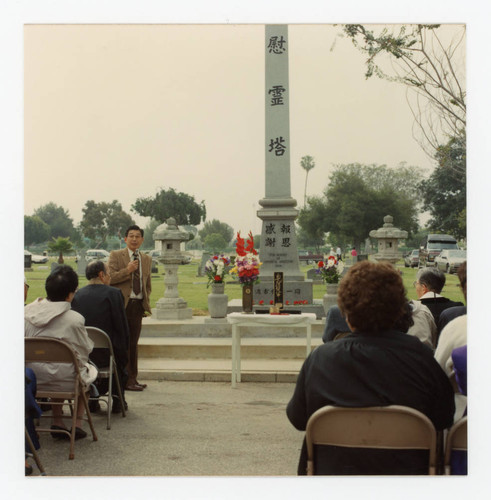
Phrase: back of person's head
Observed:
(60, 283)
(134, 227)
(93, 269)
(432, 278)
(372, 297)
(462, 274)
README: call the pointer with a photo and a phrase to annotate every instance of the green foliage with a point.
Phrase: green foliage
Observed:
(149, 229)
(215, 242)
(311, 220)
(57, 218)
(35, 230)
(60, 245)
(216, 227)
(101, 220)
(170, 203)
(444, 193)
(357, 199)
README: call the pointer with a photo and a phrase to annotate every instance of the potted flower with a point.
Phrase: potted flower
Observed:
(330, 270)
(216, 268)
(246, 268)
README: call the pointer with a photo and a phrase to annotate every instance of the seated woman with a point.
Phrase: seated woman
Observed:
(53, 317)
(375, 365)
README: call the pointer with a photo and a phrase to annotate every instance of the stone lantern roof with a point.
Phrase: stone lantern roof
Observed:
(169, 231)
(388, 238)
(388, 231)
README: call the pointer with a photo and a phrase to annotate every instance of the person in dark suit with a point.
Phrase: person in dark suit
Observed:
(131, 272)
(102, 306)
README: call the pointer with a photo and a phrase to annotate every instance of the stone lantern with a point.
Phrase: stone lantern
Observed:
(168, 238)
(388, 238)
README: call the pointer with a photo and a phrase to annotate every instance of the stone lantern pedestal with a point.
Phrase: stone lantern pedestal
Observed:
(169, 237)
(388, 238)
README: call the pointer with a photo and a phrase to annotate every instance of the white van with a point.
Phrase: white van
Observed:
(97, 254)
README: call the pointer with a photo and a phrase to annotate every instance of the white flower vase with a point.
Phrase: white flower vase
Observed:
(217, 301)
(331, 296)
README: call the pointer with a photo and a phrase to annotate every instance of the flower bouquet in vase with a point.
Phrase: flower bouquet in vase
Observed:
(216, 268)
(246, 269)
(331, 271)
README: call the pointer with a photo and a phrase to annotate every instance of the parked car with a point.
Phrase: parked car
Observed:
(97, 254)
(432, 245)
(37, 259)
(450, 260)
(411, 259)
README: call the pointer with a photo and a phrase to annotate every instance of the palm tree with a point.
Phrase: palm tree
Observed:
(307, 163)
(60, 245)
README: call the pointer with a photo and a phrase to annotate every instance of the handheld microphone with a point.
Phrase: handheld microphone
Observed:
(135, 254)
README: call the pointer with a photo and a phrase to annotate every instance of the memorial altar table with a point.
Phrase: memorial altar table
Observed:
(238, 320)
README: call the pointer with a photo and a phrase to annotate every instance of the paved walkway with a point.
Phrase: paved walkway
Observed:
(187, 429)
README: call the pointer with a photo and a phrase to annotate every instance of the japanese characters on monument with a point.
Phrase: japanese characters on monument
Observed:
(277, 112)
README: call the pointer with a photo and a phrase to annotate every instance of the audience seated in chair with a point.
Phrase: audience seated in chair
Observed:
(454, 312)
(423, 325)
(375, 365)
(102, 306)
(53, 317)
(429, 284)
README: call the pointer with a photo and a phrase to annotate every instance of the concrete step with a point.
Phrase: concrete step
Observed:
(206, 327)
(221, 348)
(218, 370)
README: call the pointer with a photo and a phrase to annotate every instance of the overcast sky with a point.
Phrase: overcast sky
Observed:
(118, 112)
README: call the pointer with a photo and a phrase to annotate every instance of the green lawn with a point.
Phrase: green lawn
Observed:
(193, 288)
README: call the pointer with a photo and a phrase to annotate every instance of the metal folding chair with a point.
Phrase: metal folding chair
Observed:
(382, 427)
(50, 350)
(101, 340)
(456, 441)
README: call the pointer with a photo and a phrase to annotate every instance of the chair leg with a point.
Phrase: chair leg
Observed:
(118, 388)
(109, 400)
(89, 416)
(34, 454)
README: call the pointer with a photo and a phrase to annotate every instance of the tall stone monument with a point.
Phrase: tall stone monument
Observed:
(278, 249)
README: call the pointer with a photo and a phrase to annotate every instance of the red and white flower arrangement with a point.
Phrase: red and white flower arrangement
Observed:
(247, 262)
(330, 270)
(216, 268)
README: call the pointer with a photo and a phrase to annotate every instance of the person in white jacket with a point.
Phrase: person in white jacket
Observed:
(53, 317)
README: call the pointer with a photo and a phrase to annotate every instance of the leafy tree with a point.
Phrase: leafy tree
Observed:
(432, 68)
(57, 218)
(35, 230)
(444, 193)
(101, 220)
(61, 245)
(312, 221)
(149, 229)
(170, 203)
(357, 199)
(307, 163)
(215, 242)
(216, 227)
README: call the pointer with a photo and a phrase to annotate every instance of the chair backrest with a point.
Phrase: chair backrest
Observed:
(456, 440)
(99, 337)
(382, 427)
(48, 350)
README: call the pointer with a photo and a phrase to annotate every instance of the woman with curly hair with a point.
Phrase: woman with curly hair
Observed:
(377, 364)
